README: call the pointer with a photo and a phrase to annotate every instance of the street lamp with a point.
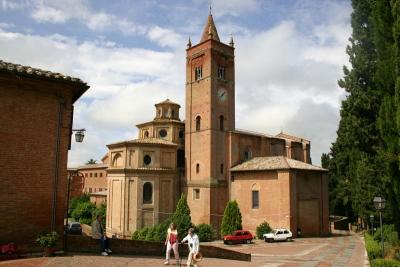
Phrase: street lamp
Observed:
(379, 203)
(371, 218)
(79, 135)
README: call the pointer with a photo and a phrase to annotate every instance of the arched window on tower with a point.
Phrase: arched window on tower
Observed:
(198, 123)
(197, 168)
(146, 134)
(221, 123)
(147, 193)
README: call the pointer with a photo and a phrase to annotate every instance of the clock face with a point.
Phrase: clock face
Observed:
(222, 94)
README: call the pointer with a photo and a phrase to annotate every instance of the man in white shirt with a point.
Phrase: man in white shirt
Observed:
(194, 244)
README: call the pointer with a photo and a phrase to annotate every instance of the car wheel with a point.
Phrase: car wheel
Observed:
(270, 240)
(289, 239)
(248, 241)
(265, 239)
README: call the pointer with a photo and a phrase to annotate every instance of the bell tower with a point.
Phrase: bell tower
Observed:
(210, 114)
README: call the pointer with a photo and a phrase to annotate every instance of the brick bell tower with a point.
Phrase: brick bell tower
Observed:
(210, 114)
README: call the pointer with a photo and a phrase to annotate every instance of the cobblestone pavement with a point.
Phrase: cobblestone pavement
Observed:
(337, 251)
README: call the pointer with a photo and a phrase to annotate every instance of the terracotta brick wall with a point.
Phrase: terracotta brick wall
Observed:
(28, 120)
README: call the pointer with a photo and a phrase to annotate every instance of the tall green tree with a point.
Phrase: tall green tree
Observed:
(232, 219)
(357, 134)
(387, 39)
(181, 217)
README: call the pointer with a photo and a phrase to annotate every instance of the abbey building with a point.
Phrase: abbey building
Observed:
(207, 159)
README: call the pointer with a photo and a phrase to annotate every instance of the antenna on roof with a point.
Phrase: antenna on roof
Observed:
(210, 8)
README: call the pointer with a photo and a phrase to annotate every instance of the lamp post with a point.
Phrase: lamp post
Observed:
(379, 203)
(79, 135)
(371, 218)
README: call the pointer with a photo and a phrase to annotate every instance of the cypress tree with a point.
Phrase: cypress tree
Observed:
(232, 219)
(387, 39)
(351, 184)
(181, 217)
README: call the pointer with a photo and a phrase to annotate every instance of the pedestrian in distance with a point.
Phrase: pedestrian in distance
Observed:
(172, 243)
(194, 246)
(98, 233)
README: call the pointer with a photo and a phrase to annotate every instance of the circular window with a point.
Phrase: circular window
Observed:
(181, 134)
(146, 160)
(162, 133)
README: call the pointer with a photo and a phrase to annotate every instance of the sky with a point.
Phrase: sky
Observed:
(289, 55)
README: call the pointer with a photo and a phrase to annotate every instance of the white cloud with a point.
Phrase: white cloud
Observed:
(165, 37)
(12, 5)
(285, 78)
(59, 11)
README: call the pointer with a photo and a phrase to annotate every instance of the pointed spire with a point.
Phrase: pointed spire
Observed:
(210, 31)
(231, 43)
(189, 44)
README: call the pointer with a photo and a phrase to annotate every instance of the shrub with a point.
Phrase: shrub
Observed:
(84, 212)
(263, 228)
(143, 233)
(47, 240)
(135, 235)
(232, 219)
(181, 217)
(373, 247)
(151, 234)
(389, 235)
(385, 263)
(205, 232)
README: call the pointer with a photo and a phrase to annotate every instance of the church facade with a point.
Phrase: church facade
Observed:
(211, 162)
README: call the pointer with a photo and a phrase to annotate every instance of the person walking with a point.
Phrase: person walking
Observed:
(194, 246)
(98, 233)
(172, 243)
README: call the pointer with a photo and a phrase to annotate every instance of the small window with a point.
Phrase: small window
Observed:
(95, 174)
(198, 72)
(101, 174)
(197, 168)
(248, 154)
(255, 199)
(100, 189)
(86, 175)
(198, 123)
(146, 160)
(148, 193)
(146, 134)
(90, 190)
(222, 168)
(221, 123)
(196, 193)
(162, 133)
(221, 72)
(181, 134)
(91, 174)
(173, 113)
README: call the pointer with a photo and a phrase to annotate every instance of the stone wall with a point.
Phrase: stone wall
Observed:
(147, 248)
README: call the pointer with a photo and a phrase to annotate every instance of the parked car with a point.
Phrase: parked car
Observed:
(278, 235)
(239, 236)
(74, 228)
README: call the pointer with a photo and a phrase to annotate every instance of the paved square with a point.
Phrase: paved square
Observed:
(345, 250)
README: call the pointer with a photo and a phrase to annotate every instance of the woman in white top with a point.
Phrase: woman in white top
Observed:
(172, 243)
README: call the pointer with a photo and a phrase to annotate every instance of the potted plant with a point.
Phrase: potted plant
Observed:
(48, 242)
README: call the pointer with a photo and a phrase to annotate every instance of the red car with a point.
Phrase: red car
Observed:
(239, 236)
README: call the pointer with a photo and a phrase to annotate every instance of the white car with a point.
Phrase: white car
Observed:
(278, 235)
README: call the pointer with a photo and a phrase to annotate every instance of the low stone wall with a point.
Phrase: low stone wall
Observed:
(148, 248)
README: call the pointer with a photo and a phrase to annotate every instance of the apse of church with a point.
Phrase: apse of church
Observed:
(210, 161)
